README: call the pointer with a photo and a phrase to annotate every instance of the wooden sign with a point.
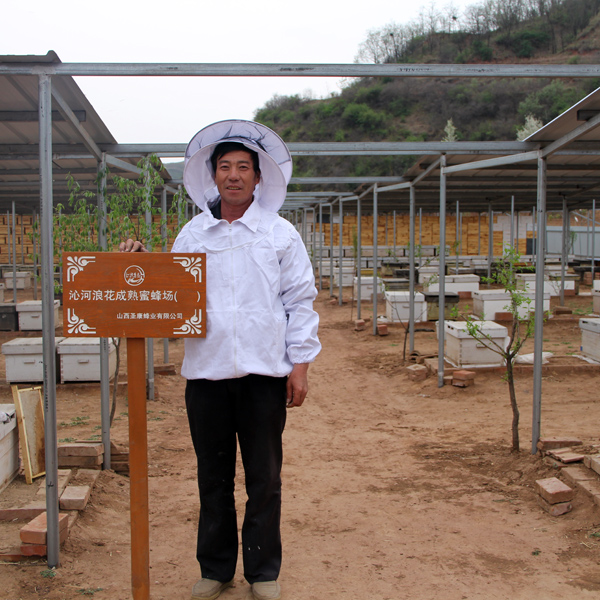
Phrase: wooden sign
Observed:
(134, 294)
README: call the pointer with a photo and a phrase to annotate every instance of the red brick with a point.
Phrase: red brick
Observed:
(42, 549)
(553, 490)
(34, 549)
(35, 531)
(81, 449)
(503, 316)
(22, 513)
(359, 325)
(75, 497)
(465, 295)
(563, 310)
(592, 488)
(577, 475)
(463, 375)
(552, 462)
(551, 443)
(593, 463)
(463, 383)
(165, 369)
(417, 372)
(566, 455)
(382, 329)
(557, 509)
(79, 461)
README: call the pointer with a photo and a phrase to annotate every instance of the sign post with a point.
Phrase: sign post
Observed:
(135, 295)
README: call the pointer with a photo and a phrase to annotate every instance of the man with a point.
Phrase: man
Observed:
(261, 337)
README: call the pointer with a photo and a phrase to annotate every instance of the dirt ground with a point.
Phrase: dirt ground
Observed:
(392, 489)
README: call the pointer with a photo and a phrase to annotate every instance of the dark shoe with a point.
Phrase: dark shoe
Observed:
(208, 589)
(266, 590)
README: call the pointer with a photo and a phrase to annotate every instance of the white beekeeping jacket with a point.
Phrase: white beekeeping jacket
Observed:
(259, 294)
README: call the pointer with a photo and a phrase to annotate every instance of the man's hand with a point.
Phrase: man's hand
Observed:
(132, 246)
(297, 385)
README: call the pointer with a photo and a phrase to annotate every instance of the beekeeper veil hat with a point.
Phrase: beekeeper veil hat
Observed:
(274, 161)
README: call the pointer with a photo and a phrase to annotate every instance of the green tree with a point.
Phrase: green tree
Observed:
(520, 329)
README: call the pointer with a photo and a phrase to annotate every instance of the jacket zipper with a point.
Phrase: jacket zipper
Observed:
(234, 302)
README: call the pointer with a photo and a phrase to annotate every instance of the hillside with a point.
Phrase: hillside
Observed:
(403, 109)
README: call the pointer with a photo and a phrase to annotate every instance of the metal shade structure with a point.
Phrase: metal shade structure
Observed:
(557, 163)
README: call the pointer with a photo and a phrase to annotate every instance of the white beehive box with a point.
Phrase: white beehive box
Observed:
(347, 276)
(366, 288)
(462, 350)
(9, 445)
(428, 273)
(397, 306)
(30, 314)
(80, 359)
(486, 303)
(596, 301)
(25, 359)
(526, 281)
(590, 337)
(23, 280)
(456, 283)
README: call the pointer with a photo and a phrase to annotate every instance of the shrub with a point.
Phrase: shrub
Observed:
(363, 117)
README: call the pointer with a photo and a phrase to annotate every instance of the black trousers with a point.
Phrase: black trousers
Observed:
(253, 409)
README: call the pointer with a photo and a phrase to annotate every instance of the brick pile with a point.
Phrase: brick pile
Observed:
(577, 469)
(554, 496)
(119, 459)
(463, 378)
(417, 372)
(34, 535)
(90, 455)
(87, 455)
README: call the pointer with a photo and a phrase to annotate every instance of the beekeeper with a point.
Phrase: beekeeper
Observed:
(261, 336)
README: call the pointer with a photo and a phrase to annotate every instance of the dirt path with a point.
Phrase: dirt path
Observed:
(392, 489)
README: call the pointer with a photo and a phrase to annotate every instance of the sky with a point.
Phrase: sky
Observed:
(173, 109)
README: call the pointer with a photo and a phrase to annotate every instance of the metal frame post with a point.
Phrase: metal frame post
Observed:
(331, 250)
(320, 246)
(565, 249)
(35, 257)
(517, 232)
(420, 236)
(394, 231)
(341, 247)
(163, 232)
(534, 233)
(539, 307)
(457, 244)
(375, 257)
(359, 259)
(512, 222)
(48, 340)
(104, 342)
(442, 271)
(150, 341)
(22, 241)
(14, 251)
(490, 241)
(593, 239)
(411, 270)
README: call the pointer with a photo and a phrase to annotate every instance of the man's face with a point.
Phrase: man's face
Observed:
(236, 178)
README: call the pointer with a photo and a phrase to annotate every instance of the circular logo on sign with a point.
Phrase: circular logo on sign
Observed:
(134, 275)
